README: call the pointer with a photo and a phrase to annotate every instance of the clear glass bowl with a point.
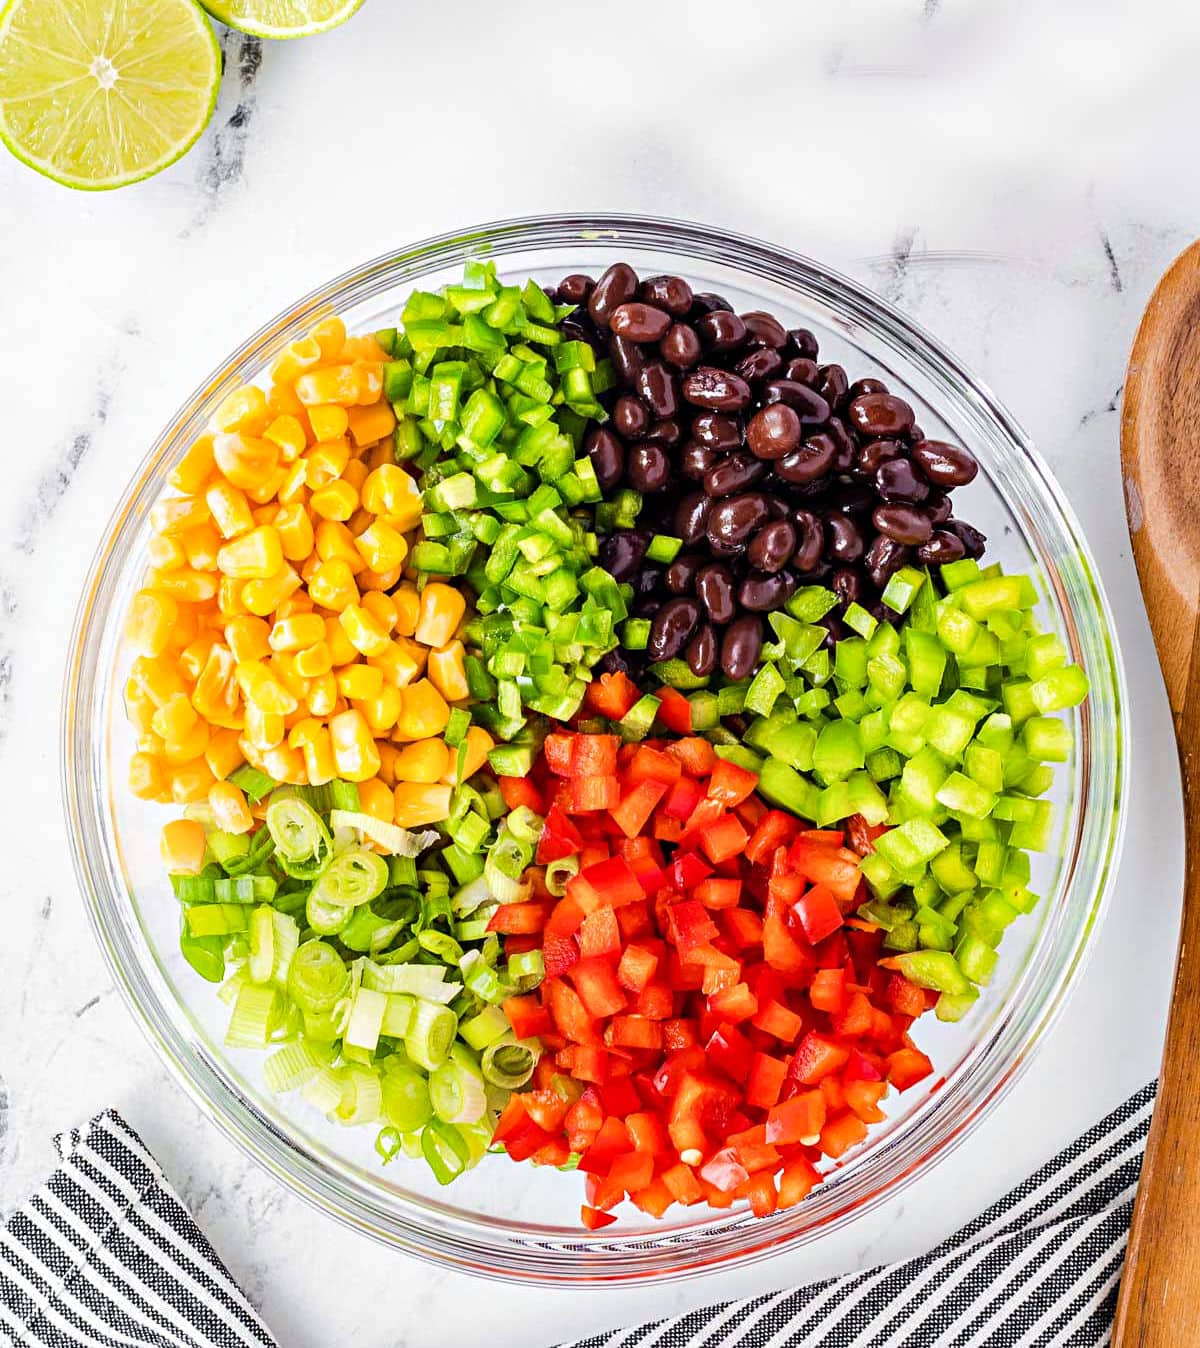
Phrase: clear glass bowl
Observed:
(515, 1222)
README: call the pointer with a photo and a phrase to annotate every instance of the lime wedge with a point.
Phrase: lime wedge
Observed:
(282, 18)
(96, 95)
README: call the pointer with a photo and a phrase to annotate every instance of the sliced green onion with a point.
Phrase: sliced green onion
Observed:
(485, 1028)
(406, 1102)
(398, 1015)
(344, 796)
(430, 1034)
(509, 1062)
(254, 784)
(317, 977)
(323, 1090)
(389, 1143)
(559, 872)
(456, 1092)
(445, 1149)
(526, 969)
(327, 919)
(215, 919)
(395, 841)
(470, 897)
(256, 1013)
(427, 981)
(302, 842)
(366, 1020)
(361, 1094)
(440, 944)
(295, 1064)
(354, 876)
(524, 825)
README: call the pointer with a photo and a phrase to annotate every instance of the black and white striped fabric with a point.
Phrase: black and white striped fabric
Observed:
(1038, 1269)
(104, 1255)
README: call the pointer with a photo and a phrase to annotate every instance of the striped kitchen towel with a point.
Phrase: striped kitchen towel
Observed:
(1038, 1269)
(104, 1255)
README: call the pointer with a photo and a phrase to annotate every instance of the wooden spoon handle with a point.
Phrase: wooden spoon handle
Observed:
(1159, 1306)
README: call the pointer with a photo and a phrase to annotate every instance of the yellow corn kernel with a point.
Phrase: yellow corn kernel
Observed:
(408, 607)
(178, 515)
(334, 540)
(379, 454)
(478, 743)
(265, 514)
(252, 556)
(364, 346)
(390, 491)
(293, 489)
(293, 605)
(248, 637)
(330, 336)
(268, 489)
(229, 596)
(183, 583)
(448, 672)
(229, 508)
(376, 799)
(356, 473)
(337, 501)
(156, 679)
(296, 631)
(314, 662)
(287, 432)
(188, 746)
(368, 424)
(182, 846)
(322, 695)
(264, 596)
(382, 708)
(264, 730)
(294, 359)
(424, 713)
(328, 423)
(195, 468)
(326, 462)
(230, 811)
(148, 626)
(174, 718)
(381, 547)
(263, 690)
(217, 696)
(139, 707)
(186, 627)
(165, 553)
(201, 544)
(282, 402)
(295, 532)
(387, 759)
(381, 608)
(426, 761)
(245, 460)
(190, 783)
(354, 749)
(283, 666)
(370, 382)
(364, 631)
(442, 609)
(312, 739)
(378, 580)
(418, 804)
(194, 655)
(355, 682)
(223, 755)
(340, 384)
(284, 764)
(244, 410)
(147, 781)
(332, 585)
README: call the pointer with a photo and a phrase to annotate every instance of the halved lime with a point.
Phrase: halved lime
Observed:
(282, 18)
(97, 94)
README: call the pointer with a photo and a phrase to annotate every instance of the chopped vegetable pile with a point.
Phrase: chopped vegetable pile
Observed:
(481, 876)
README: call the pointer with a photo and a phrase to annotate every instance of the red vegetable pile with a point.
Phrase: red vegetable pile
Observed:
(716, 1019)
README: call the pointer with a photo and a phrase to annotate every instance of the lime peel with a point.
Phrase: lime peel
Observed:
(278, 19)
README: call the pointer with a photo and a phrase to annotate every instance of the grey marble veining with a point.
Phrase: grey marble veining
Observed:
(1014, 176)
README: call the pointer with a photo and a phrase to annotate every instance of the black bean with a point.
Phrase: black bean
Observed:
(772, 547)
(647, 468)
(942, 547)
(844, 542)
(847, 584)
(812, 460)
(946, 466)
(621, 552)
(731, 521)
(716, 390)
(733, 473)
(614, 288)
(803, 370)
(836, 630)
(574, 289)
(691, 517)
(680, 347)
(903, 523)
(847, 446)
(833, 384)
(854, 498)
(721, 331)
(658, 389)
(875, 452)
(812, 541)
(774, 431)
(607, 454)
(630, 417)
(898, 480)
(671, 293)
(647, 581)
(639, 322)
(578, 327)
(671, 627)
(765, 329)
(864, 386)
(707, 303)
(761, 363)
(701, 654)
(972, 539)
(808, 405)
(714, 585)
(802, 342)
(740, 646)
(939, 508)
(879, 414)
(667, 432)
(618, 661)
(916, 433)
(696, 460)
(627, 357)
(681, 574)
(884, 558)
(716, 431)
(761, 593)
(647, 606)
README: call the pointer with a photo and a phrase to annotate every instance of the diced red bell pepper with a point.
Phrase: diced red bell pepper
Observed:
(862, 1066)
(862, 835)
(828, 990)
(599, 935)
(593, 1219)
(649, 764)
(690, 925)
(719, 893)
(734, 1004)
(903, 996)
(797, 1181)
(583, 1120)
(546, 1108)
(797, 1120)
(724, 1171)
(519, 918)
(822, 864)
(816, 1057)
(742, 927)
(765, 1080)
(518, 791)
(730, 1052)
(700, 1103)
(570, 1015)
(842, 1133)
(679, 1033)
(646, 1132)
(725, 837)
(587, 793)
(559, 953)
(863, 1097)
(613, 880)
(729, 783)
(611, 695)
(567, 916)
(687, 871)
(761, 1193)
(781, 950)
(857, 1018)
(654, 1199)
(610, 1142)
(598, 988)
(636, 806)
(683, 1185)
(556, 750)
(560, 838)
(818, 913)
(635, 921)
(636, 1032)
(656, 1001)
(594, 755)
(682, 798)
(773, 830)
(619, 1097)
(834, 1093)
(906, 1067)
(750, 811)
(527, 1016)
(637, 966)
(778, 1021)
(696, 754)
(631, 1172)
(674, 711)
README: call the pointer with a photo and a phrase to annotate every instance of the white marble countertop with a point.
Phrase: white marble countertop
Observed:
(1015, 175)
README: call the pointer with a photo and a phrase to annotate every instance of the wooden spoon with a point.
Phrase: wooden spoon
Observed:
(1159, 1305)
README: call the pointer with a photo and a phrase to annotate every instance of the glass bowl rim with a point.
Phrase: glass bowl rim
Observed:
(596, 1261)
